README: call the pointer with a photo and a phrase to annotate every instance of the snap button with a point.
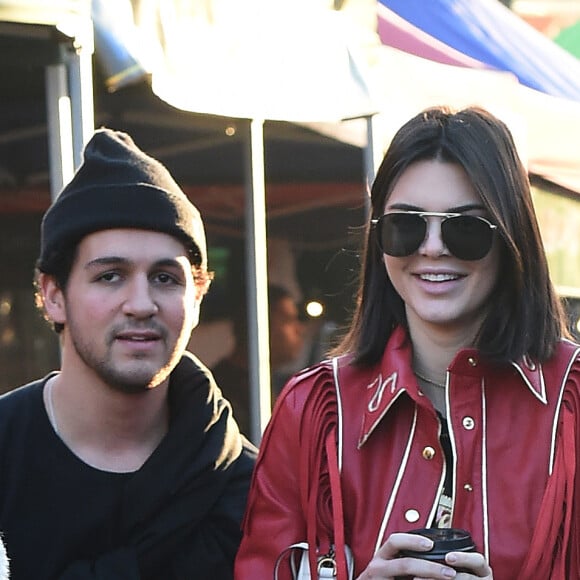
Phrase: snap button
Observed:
(472, 361)
(529, 363)
(412, 516)
(468, 423)
(428, 452)
(468, 487)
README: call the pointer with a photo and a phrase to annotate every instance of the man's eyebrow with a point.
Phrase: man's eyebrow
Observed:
(106, 261)
(120, 261)
(168, 263)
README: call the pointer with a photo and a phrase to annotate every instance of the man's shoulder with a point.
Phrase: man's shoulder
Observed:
(22, 393)
(13, 402)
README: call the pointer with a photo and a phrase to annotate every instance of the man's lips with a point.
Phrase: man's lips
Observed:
(138, 336)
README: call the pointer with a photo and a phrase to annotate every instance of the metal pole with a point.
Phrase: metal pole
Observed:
(80, 77)
(372, 158)
(59, 118)
(257, 283)
(70, 108)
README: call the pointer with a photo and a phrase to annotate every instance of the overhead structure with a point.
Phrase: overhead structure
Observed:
(59, 36)
(487, 31)
(256, 60)
(317, 63)
(569, 39)
(541, 101)
(354, 70)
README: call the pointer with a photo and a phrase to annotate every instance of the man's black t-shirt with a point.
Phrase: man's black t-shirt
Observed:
(176, 517)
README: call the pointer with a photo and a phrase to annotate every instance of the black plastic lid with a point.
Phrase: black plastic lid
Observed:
(445, 540)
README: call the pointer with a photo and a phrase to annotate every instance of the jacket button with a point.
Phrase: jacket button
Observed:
(468, 487)
(468, 423)
(529, 363)
(412, 516)
(472, 361)
(428, 452)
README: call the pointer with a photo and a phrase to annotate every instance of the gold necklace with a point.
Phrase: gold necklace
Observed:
(431, 382)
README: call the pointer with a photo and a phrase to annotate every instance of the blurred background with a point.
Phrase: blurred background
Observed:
(326, 83)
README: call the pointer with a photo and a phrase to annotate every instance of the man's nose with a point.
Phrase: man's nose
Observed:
(140, 301)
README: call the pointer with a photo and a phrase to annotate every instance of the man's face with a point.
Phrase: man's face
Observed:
(128, 309)
(286, 333)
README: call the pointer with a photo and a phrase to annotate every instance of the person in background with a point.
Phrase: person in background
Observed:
(454, 397)
(127, 463)
(286, 342)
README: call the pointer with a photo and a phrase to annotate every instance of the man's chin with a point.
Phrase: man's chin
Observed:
(133, 383)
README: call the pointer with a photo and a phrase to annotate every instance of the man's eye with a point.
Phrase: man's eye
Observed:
(164, 278)
(109, 277)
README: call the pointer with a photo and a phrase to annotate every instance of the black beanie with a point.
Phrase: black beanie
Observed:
(119, 186)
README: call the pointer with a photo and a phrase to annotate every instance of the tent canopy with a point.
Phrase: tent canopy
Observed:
(207, 150)
(540, 102)
(569, 39)
(258, 59)
(489, 32)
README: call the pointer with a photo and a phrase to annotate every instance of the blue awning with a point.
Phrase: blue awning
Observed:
(491, 33)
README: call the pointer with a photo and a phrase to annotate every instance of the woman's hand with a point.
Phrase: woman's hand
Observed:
(471, 564)
(387, 564)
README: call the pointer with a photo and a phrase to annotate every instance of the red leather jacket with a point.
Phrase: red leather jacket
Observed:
(506, 431)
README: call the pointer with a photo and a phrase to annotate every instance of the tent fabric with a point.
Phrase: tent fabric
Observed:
(545, 123)
(491, 33)
(397, 32)
(569, 39)
(258, 59)
(390, 58)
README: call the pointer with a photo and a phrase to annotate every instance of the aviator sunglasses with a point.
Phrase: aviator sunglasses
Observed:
(401, 233)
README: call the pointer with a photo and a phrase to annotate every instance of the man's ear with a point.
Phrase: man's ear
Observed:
(53, 298)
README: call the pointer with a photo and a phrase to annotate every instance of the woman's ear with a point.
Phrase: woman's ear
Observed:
(52, 298)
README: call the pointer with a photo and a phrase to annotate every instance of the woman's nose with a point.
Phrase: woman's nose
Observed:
(433, 244)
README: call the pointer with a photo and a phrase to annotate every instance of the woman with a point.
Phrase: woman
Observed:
(458, 393)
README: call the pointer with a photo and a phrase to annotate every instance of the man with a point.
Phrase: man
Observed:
(127, 463)
(286, 343)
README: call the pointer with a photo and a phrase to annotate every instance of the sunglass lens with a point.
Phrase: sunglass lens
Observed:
(467, 237)
(401, 234)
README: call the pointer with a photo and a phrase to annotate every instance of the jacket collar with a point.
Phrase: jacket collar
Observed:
(393, 377)
(532, 375)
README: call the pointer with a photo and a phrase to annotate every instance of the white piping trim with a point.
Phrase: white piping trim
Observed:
(376, 399)
(378, 419)
(484, 491)
(441, 485)
(557, 411)
(339, 405)
(451, 432)
(402, 469)
(541, 396)
(433, 512)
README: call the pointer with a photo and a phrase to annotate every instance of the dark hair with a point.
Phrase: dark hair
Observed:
(527, 318)
(61, 262)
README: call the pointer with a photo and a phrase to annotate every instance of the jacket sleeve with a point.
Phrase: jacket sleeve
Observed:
(274, 518)
(555, 547)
